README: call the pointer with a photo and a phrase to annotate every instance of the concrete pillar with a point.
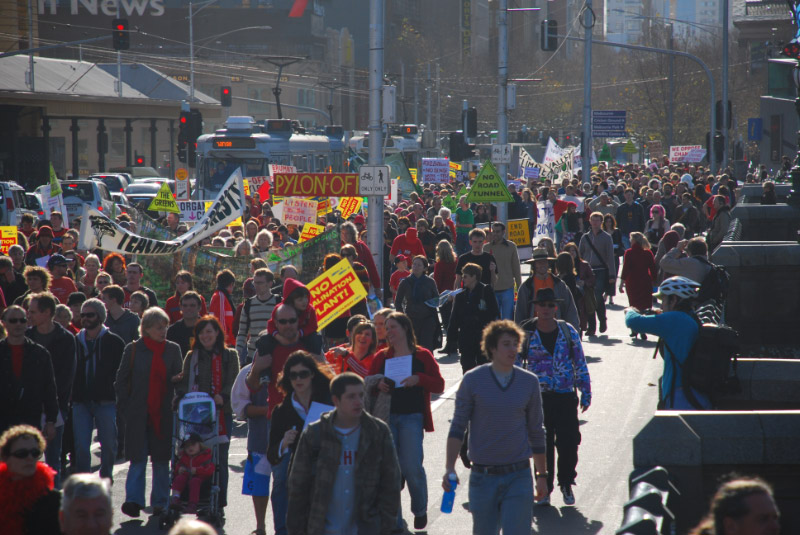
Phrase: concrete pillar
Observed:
(153, 130)
(46, 137)
(76, 167)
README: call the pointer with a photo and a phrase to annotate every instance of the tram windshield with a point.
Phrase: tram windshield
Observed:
(216, 171)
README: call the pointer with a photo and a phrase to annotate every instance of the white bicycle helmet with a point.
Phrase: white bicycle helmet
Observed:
(680, 286)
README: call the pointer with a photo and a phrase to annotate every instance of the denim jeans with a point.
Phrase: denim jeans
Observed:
(600, 286)
(408, 432)
(280, 495)
(52, 455)
(85, 416)
(462, 243)
(505, 300)
(135, 483)
(626, 241)
(501, 501)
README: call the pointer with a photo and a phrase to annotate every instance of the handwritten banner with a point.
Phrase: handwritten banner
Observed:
(316, 184)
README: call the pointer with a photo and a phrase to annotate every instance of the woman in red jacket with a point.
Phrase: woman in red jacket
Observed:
(444, 275)
(639, 274)
(222, 305)
(410, 414)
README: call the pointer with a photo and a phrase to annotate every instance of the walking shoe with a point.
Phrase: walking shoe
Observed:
(603, 326)
(420, 521)
(644, 336)
(131, 509)
(543, 501)
(566, 492)
(590, 332)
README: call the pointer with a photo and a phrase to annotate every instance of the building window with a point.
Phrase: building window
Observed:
(117, 142)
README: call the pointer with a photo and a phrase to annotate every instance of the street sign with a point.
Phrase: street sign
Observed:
(374, 180)
(501, 154)
(182, 185)
(181, 174)
(489, 187)
(191, 211)
(755, 128)
(608, 123)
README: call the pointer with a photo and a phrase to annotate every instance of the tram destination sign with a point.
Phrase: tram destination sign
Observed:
(316, 185)
(233, 143)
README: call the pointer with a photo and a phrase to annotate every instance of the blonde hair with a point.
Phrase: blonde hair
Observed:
(641, 239)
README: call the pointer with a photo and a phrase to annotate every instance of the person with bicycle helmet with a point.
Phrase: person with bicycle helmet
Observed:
(677, 327)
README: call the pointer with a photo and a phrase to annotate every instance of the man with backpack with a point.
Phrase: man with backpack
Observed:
(552, 350)
(678, 328)
(256, 312)
(713, 279)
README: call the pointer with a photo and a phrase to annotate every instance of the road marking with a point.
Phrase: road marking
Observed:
(446, 396)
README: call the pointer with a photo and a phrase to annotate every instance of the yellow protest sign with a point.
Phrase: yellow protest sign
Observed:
(349, 206)
(489, 187)
(413, 173)
(455, 166)
(55, 185)
(310, 230)
(8, 237)
(164, 201)
(335, 291)
(235, 223)
(246, 187)
(519, 232)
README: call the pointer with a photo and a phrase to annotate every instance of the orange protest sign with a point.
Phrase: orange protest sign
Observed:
(310, 230)
(335, 291)
(8, 237)
(316, 184)
(349, 206)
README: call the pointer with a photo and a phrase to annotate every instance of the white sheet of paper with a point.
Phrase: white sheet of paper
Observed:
(315, 411)
(398, 369)
(42, 261)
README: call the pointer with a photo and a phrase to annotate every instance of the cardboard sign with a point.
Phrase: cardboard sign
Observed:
(546, 221)
(310, 231)
(519, 232)
(335, 291)
(192, 211)
(695, 155)
(164, 201)
(436, 170)
(677, 153)
(55, 185)
(282, 169)
(299, 211)
(316, 184)
(246, 187)
(489, 187)
(8, 237)
(349, 206)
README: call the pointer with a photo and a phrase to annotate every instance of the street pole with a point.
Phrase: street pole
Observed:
(724, 120)
(502, 84)
(586, 148)
(32, 83)
(119, 64)
(191, 55)
(375, 221)
(429, 90)
(671, 103)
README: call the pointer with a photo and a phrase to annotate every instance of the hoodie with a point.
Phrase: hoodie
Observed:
(407, 244)
(306, 319)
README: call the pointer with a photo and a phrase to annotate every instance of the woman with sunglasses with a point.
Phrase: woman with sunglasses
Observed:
(212, 367)
(29, 502)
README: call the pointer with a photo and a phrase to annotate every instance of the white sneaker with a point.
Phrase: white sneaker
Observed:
(566, 492)
(543, 501)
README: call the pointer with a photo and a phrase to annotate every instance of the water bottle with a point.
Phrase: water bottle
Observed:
(450, 497)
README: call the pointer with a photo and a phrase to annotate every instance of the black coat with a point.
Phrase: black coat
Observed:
(62, 354)
(23, 400)
(472, 311)
(105, 373)
(284, 417)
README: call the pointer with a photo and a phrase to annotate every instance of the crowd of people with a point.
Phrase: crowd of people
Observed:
(88, 349)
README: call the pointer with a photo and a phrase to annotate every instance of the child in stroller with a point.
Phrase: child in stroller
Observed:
(194, 467)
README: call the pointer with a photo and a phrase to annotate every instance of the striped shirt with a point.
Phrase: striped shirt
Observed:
(506, 423)
(257, 316)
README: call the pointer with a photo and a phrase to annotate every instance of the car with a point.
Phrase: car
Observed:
(13, 203)
(142, 193)
(113, 181)
(123, 203)
(77, 193)
(34, 202)
(137, 172)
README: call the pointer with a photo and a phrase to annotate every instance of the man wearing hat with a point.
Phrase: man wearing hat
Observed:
(60, 285)
(552, 350)
(540, 278)
(43, 247)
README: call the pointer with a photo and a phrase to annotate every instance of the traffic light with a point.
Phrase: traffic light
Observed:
(119, 34)
(470, 117)
(139, 160)
(719, 146)
(718, 118)
(549, 35)
(226, 97)
(456, 147)
(195, 131)
(568, 139)
(183, 135)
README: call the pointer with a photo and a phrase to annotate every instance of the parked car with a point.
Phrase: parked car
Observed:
(13, 203)
(123, 202)
(77, 193)
(137, 172)
(114, 181)
(34, 202)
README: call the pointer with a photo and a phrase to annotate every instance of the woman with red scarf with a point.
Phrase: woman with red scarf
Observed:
(356, 356)
(212, 367)
(145, 389)
(28, 502)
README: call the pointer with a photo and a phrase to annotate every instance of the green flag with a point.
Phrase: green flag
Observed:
(405, 184)
(55, 185)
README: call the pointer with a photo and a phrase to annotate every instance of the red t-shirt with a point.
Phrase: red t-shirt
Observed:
(396, 277)
(61, 288)
(16, 359)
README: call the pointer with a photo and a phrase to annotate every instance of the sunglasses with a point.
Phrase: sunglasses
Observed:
(23, 454)
(547, 305)
(289, 321)
(305, 374)
(88, 314)
(16, 320)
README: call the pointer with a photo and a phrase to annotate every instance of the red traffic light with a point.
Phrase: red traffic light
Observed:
(225, 91)
(183, 120)
(120, 27)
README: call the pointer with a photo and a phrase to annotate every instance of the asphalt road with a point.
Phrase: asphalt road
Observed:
(623, 378)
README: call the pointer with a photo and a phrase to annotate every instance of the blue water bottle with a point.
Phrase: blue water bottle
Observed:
(450, 497)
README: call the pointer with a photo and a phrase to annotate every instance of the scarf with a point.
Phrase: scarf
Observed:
(158, 383)
(216, 379)
(18, 496)
(415, 284)
(95, 356)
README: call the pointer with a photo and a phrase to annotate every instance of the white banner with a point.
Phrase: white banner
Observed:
(553, 152)
(435, 170)
(545, 223)
(677, 153)
(54, 204)
(98, 231)
(577, 159)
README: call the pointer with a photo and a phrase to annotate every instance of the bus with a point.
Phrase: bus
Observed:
(252, 146)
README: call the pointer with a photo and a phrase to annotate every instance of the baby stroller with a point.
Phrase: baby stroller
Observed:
(197, 414)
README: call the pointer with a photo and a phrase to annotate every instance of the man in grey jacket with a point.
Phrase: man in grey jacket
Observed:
(542, 278)
(695, 267)
(597, 248)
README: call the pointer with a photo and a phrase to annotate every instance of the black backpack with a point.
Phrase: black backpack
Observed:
(715, 283)
(710, 367)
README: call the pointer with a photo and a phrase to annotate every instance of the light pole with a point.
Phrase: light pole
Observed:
(331, 86)
(375, 221)
(192, 13)
(586, 147)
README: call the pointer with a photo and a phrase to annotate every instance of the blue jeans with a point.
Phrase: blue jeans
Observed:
(52, 455)
(408, 432)
(501, 501)
(626, 241)
(462, 243)
(600, 286)
(85, 416)
(280, 495)
(134, 484)
(505, 300)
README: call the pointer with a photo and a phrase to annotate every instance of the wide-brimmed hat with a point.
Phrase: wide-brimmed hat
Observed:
(538, 254)
(45, 230)
(546, 295)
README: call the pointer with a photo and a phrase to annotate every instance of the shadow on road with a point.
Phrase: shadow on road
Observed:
(563, 520)
(450, 358)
